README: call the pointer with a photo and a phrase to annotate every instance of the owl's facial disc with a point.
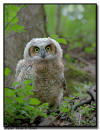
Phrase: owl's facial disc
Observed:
(43, 53)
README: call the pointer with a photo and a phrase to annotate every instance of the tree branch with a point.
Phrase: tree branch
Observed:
(88, 101)
(92, 93)
(13, 18)
(58, 18)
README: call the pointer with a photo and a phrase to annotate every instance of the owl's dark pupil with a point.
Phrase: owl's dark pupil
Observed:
(36, 49)
(48, 49)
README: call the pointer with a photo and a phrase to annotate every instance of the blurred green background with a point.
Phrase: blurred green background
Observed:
(75, 23)
(74, 27)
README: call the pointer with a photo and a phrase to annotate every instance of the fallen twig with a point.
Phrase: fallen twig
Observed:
(86, 101)
(92, 93)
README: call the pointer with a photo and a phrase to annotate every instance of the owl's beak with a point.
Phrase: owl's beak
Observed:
(43, 53)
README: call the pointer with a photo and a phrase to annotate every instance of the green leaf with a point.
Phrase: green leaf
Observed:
(61, 40)
(25, 113)
(9, 92)
(88, 50)
(9, 109)
(44, 106)
(11, 19)
(18, 28)
(29, 108)
(68, 57)
(43, 115)
(7, 100)
(78, 44)
(65, 107)
(54, 36)
(10, 13)
(15, 20)
(34, 101)
(26, 82)
(53, 114)
(19, 100)
(7, 71)
(15, 83)
(28, 87)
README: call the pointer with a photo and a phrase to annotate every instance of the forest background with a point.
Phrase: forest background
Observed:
(74, 27)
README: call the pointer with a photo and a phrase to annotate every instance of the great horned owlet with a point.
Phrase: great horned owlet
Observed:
(43, 60)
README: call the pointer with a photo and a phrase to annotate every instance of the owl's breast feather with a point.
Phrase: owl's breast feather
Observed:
(47, 90)
(50, 68)
(48, 80)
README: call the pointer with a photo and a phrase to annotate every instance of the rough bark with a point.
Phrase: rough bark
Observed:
(32, 17)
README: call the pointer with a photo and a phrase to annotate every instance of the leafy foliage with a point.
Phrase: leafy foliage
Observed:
(21, 105)
(11, 19)
(60, 40)
(80, 117)
(65, 107)
(7, 71)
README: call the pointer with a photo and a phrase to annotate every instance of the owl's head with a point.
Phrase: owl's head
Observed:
(42, 49)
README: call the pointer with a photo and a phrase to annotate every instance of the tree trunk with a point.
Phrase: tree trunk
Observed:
(32, 17)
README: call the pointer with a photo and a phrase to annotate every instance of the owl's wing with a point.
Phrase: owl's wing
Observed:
(23, 70)
(19, 70)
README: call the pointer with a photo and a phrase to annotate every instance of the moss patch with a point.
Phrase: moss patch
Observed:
(76, 78)
(77, 74)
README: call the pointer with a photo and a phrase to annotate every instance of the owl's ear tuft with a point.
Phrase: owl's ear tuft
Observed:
(49, 38)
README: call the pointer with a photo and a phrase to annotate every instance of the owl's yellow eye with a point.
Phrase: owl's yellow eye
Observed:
(36, 49)
(48, 48)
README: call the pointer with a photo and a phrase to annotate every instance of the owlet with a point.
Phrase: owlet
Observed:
(43, 60)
